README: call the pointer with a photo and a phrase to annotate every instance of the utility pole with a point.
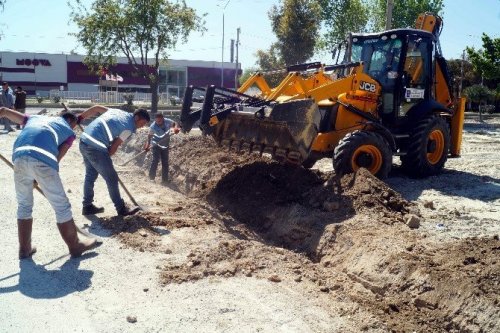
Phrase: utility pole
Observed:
(222, 59)
(461, 74)
(388, 14)
(237, 65)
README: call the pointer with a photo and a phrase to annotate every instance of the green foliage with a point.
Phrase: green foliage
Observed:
(487, 59)
(404, 13)
(56, 99)
(141, 30)
(470, 76)
(342, 17)
(269, 61)
(295, 24)
(478, 93)
(39, 99)
(246, 74)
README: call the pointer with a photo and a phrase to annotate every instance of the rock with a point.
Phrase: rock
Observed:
(331, 206)
(412, 221)
(177, 209)
(324, 289)
(69, 190)
(143, 234)
(429, 204)
(145, 290)
(168, 251)
(132, 319)
(274, 278)
(298, 278)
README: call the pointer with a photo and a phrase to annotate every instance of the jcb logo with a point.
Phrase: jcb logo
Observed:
(367, 86)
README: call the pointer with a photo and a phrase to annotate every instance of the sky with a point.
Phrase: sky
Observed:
(43, 26)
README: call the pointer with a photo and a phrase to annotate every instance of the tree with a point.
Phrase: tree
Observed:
(270, 62)
(470, 76)
(141, 30)
(478, 94)
(295, 24)
(404, 13)
(486, 61)
(341, 17)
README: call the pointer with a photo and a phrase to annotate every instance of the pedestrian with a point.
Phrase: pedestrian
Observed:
(37, 151)
(159, 136)
(98, 143)
(7, 100)
(20, 102)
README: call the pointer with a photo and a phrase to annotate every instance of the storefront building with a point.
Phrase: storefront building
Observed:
(39, 73)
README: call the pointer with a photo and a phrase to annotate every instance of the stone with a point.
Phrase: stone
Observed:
(274, 278)
(429, 204)
(412, 221)
(132, 319)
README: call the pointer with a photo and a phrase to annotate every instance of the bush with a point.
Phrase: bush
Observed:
(56, 99)
(39, 99)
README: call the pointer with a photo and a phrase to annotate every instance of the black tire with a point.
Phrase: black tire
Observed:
(309, 162)
(428, 148)
(363, 149)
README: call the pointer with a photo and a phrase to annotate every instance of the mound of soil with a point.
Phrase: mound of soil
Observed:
(348, 237)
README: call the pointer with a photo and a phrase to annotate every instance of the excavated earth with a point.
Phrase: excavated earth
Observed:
(347, 238)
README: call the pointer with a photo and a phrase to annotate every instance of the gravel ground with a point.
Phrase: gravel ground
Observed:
(99, 291)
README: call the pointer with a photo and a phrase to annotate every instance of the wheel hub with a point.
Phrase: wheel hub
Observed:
(364, 160)
(431, 146)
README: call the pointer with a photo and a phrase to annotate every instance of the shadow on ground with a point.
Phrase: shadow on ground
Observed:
(36, 281)
(449, 182)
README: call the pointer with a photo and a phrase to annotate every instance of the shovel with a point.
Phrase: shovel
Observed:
(35, 185)
(144, 151)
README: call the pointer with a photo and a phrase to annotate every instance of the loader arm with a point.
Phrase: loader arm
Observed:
(259, 81)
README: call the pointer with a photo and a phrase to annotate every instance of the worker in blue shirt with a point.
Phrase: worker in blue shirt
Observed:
(37, 151)
(159, 137)
(7, 100)
(98, 143)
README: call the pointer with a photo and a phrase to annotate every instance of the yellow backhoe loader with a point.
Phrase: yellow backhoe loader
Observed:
(390, 96)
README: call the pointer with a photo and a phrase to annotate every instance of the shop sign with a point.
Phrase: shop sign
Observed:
(33, 62)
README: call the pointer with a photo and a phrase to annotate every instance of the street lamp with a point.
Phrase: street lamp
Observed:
(222, 58)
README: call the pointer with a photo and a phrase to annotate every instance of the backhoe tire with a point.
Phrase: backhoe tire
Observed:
(363, 149)
(309, 162)
(428, 148)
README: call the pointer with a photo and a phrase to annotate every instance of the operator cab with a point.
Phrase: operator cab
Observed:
(401, 61)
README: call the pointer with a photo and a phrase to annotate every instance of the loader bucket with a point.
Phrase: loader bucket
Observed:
(189, 116)
(285, 130)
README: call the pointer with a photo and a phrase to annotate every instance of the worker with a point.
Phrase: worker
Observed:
(159, 136)
(37, 151)
(98, 143)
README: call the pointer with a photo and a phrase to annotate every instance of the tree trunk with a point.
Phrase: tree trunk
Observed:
(154, 97)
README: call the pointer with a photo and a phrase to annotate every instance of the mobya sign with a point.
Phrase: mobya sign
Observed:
(33, 62)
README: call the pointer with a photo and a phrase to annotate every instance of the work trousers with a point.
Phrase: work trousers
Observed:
(159, 154)
(98, 162)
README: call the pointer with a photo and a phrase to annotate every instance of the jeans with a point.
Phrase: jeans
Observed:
(26, 170)
(98, 162)
(7, 124)
(158, 154)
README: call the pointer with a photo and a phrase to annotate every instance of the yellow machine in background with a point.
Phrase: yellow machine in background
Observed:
(389, 97)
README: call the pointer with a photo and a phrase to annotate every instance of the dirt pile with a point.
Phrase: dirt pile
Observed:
(347, 238)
